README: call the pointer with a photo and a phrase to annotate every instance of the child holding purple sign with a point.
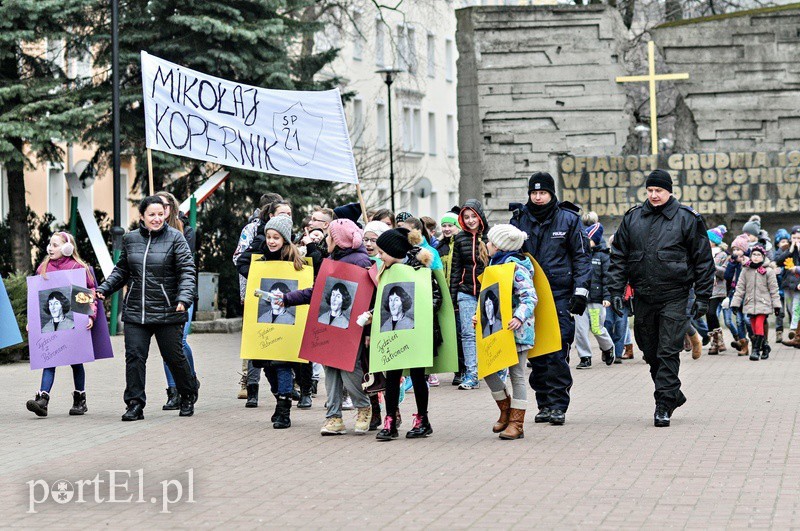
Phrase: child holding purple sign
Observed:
(62, 255)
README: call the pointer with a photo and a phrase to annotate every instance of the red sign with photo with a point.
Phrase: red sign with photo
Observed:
(332, 336)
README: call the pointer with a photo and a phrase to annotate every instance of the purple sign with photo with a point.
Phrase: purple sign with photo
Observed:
(101, 338)
(57, 335)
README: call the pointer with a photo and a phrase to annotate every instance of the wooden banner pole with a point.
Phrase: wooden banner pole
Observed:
(363, 205)
(150, 170)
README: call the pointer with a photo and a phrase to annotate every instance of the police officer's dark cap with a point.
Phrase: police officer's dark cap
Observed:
(659, 178)
(541, 181)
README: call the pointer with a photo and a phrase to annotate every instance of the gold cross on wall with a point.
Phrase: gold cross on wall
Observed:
(651, 78)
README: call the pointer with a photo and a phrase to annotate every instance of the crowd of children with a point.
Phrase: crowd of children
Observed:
(754, 277)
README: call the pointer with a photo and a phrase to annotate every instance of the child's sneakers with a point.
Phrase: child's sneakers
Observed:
(469, 382)
(347, 403)
(363, 418)
(333, 426)
(433, 381)
(39, 404)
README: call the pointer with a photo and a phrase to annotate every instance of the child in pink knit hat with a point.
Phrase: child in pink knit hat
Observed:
(345, 234)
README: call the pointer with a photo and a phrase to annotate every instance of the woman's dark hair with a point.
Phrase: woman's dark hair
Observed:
(266, 199)
(346, 299)
(150, 200)
(57, 295)
(274, 206)
(384, 213)
(404, 297)
(265, 206)
(280, 286)
(416, 223)
(490, 296)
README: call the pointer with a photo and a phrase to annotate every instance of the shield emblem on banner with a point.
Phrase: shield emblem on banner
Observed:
(297, 132)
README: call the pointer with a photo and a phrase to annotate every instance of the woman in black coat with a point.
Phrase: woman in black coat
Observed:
(157, 267)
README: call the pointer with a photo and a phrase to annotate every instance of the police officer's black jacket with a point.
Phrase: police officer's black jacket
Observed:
(662, 252)
(158, 269)
(560, 246)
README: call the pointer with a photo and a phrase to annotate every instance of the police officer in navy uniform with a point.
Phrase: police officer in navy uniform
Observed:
(558, 243)
(662, 250)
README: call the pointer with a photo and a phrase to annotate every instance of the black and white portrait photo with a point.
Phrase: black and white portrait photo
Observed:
(397, 307)
(56, 313)
(490, 310)
(337, 300)
(270, 305)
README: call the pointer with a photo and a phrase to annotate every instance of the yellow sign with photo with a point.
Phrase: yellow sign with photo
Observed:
(497, 349)
(546, 327)
(271, 331)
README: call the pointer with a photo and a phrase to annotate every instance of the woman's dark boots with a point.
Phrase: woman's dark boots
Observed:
(173, 400)
(78, 403)
(283, 407)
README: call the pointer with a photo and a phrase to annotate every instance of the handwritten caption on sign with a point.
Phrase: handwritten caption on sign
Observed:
(284, 132)
(712, 183)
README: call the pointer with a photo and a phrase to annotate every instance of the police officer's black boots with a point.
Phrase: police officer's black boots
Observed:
(661, 416)
(542, 416)
(557, 417)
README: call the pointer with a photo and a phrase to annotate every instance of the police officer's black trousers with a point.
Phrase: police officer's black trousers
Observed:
(550, 376)
(659, 328)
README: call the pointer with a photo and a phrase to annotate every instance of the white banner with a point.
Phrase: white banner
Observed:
(284, 132)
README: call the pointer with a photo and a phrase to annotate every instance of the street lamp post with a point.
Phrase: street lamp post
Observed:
(117, 231)
(388, 78)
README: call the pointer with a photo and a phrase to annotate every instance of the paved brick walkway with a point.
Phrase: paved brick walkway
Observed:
(731, 457)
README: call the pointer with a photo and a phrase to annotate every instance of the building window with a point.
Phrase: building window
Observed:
(431, 55)
(56, 193)
(412, 130)
(402, 48)
(83, 67)
(431, 133)
(451, 135)
(412, 50)
(358, 123)
(448, 60)
(406, 49)
(55, 55)
(380, 43)
(358, 40)
(381, 126)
